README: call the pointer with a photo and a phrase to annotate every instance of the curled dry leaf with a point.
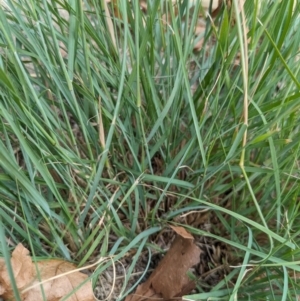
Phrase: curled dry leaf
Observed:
(182, 232)
(169, 280)
(57, 279)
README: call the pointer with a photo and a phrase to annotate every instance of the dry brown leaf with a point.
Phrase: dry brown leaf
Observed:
(182, 232)
(58, 278)
(169, 280)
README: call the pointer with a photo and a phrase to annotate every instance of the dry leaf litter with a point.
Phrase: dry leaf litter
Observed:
(57, 278)
(211, 260)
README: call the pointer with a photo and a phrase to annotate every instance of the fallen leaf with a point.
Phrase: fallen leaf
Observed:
(55, 280)
(169, 280)
(22, 267)
(182, 232)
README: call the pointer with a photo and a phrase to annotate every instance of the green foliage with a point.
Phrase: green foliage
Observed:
(118, 129)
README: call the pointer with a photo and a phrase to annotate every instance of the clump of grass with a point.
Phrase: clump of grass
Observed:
(112, 127)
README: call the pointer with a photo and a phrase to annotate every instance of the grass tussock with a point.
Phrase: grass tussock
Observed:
(113, 126)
